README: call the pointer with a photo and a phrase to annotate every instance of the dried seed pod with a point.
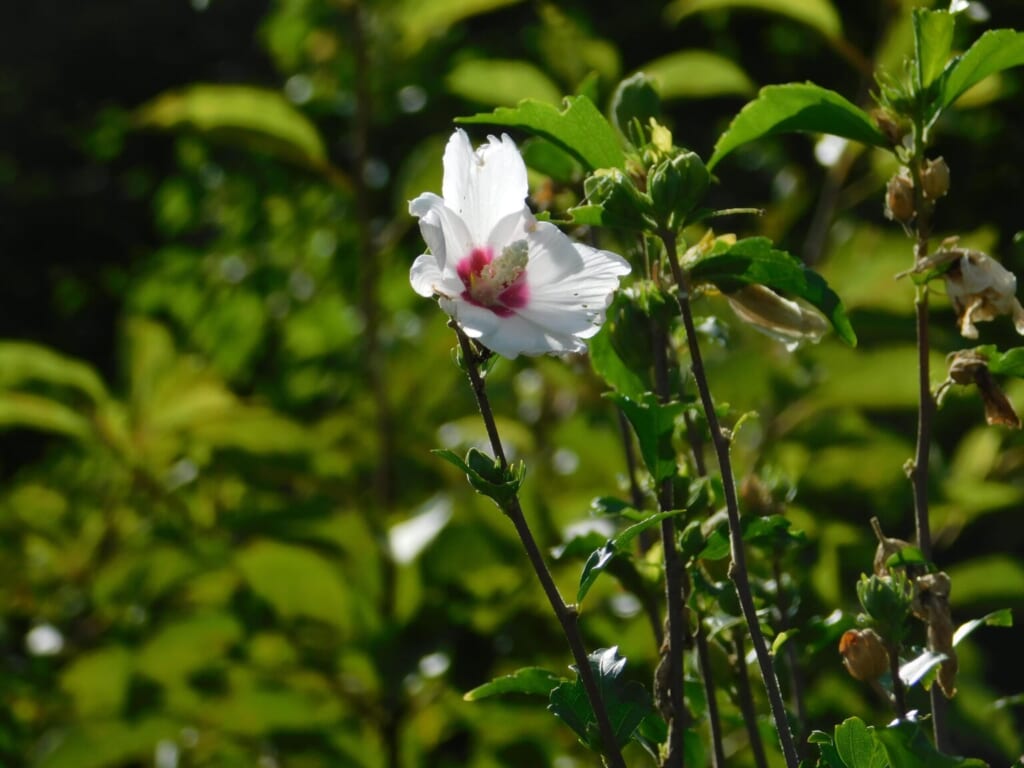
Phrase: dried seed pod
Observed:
(899, 199)
(864, 654)
(931, 605)
(935, 179)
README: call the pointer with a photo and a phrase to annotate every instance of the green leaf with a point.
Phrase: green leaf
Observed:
(797, 108)
(21, 410)
(909, 555)
(933, 41)
(818, 14)
(108, 743)
(580, 129)
(1002, 618)
(486, 475)
(98, 681)
(501, 82)
(296, 581)
(654, 423)
(696, 74)
(263, 118)
(1008, 363)
(856, 745)
(634, 104)
(994, 51)
(754, 261)
(602, 557)
(609, 366)
(184, 646)
(543, 156)
(23, 363)
(418, 22)
(627, 702)
(917, 668)
(908, 746)
(528, 680)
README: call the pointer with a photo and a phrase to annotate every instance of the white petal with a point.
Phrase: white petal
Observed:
(484, 186)
(477, 322)
(518, 335)
(444, 232)
(426, 276)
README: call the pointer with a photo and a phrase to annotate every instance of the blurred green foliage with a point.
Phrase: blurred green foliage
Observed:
(223, 539)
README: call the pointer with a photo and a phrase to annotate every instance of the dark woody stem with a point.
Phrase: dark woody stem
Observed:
(738, 567)
(567, 614)
(675, 595)
(925, 404)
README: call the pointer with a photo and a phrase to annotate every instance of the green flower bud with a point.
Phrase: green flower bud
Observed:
(887, 601)
(676, 187)
(623, 204)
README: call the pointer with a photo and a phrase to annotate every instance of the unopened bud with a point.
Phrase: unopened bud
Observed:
(899, 199)
(864, 654)
(935, 179)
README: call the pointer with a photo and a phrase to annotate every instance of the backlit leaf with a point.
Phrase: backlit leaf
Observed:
(529, 680)
(818, 14)
(580, 129)
(994, 51)
(695, 74)
(797, 108)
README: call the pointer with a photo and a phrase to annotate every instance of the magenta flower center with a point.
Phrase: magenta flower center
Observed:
(498, 284)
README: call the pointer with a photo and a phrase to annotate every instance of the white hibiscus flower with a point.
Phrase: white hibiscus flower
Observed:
(516, 285)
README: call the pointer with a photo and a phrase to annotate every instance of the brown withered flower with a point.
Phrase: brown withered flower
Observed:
(970, 367)
(981, 289)
(931, 605)
(864, 654)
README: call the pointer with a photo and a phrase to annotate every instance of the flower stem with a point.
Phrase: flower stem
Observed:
(738, 567)
(567, 615)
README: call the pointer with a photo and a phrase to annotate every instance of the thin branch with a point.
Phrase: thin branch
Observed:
(567, 614)
(746, 701)
(675, 596)
(925, 406)
(738, 568)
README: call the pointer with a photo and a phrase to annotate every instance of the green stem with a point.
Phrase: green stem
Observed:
(738, 567)
(567, 615)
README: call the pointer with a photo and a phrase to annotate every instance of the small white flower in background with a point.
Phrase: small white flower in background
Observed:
(516, 285)
(982, 289)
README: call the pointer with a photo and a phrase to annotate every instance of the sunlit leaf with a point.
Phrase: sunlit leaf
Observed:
(754, 261)
(994, 51)
(797, 108)
(296, 581)
(933, 41)
(819, 14)
(627, 702)
(694, 74)
(987, 579)
(580, 129)
(917, 668)
(1008, 363)
(501, 82)
(1002, 618)
(856, 745)
(21, 410)
(263, 118)
(529, 680)
(23, 362)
